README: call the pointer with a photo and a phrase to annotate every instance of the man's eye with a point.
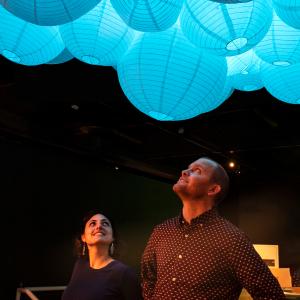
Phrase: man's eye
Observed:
(105, 223)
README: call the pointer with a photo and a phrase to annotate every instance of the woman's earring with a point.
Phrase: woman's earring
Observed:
(83, 249)
(111, 249)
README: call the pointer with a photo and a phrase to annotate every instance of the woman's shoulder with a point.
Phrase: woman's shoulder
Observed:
(123, 268)
(119, 265)
(80, 263)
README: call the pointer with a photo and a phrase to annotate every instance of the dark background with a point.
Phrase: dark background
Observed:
(71, 141)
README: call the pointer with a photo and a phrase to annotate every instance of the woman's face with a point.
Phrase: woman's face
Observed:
(97, 230)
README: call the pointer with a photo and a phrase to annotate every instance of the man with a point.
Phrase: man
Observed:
(199, 255)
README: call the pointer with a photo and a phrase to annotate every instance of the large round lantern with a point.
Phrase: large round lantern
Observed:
(148, 15)
(226, 28)
(26, 43)
(231, 1)
(49, 12)
(62, 57)
(226, 93)
(100, 37)
(281, 45)
(282, 82)
(169, 79)
(288, 11)
(244, 71)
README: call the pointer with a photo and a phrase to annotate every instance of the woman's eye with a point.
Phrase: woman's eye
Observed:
(105, 223)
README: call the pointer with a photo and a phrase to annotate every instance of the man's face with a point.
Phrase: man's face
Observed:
(195, 182)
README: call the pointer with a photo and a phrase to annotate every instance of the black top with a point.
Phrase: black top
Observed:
(115, 281)
(208, 259)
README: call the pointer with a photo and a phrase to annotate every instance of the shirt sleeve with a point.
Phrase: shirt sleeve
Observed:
(252, 272)
(130, 286)
(149, 269)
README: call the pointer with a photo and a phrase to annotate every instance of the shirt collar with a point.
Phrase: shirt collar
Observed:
(203, 219)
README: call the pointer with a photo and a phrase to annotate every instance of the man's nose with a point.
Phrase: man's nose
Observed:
(185, 172)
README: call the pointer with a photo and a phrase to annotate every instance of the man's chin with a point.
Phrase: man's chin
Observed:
(176, 187)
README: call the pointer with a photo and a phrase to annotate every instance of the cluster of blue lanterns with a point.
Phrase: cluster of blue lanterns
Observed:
(175, 59)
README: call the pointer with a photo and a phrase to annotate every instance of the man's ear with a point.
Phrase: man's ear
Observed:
(214, 189)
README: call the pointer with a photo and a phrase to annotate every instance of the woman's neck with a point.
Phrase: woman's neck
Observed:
(99, 258)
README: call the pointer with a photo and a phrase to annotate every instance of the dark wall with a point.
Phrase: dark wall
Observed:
(44, 192)
(269, 210)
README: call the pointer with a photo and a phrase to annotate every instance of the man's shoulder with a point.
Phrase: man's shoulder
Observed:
(167, 224)
(228, 227)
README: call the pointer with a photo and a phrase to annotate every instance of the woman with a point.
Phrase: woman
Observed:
(97, 275)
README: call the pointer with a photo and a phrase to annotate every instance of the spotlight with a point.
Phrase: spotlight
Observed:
(231, 164)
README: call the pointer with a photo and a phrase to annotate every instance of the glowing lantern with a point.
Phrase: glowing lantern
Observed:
(148, 15)
(288, 11)
(100, 37)
(244, 71)
(49, 12)
(281, 45)
(226, 93)
(226, 29)
(231, 1)
(167, 78)
(282, 82)
(26, 43)
(62, 57)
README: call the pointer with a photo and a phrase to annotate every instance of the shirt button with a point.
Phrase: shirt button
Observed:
(182, 222)
(173, 279)
(186, 235)
(201, 224)
(180, 256)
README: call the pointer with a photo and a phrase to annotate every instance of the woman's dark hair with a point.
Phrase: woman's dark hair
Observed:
(80, 247)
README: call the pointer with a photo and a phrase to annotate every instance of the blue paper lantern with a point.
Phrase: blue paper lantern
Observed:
(26, 43)
(226, 29)
(100, 37)
(148, 15)
(231, 1)
(281, 45)
(288, 11)
(282, 82)
(62, 57)
(1, 47)
(169, 79)
(244, 71)
(226, 93)
(49, 12)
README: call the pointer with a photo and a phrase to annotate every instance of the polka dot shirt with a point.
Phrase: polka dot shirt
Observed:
(208, 259)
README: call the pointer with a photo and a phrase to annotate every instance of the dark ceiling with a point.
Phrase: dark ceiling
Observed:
(81, 108)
